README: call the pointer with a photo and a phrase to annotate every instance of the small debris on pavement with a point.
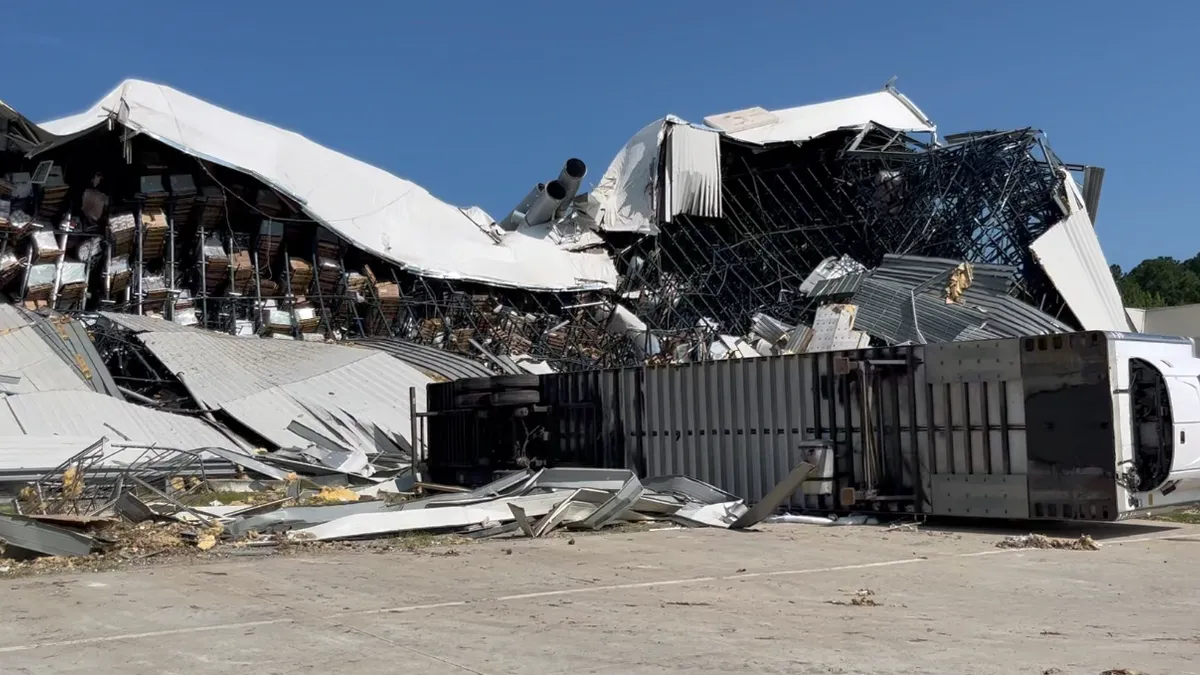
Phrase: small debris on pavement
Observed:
(1083, 543)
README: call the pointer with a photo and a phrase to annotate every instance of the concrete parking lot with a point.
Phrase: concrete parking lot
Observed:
(782, 600)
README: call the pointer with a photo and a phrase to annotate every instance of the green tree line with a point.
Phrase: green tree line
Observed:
(1159, 282)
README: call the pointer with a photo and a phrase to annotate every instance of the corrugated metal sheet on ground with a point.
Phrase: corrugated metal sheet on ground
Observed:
(432, 360)
(24, 452)
(266, 384)
(87, 413)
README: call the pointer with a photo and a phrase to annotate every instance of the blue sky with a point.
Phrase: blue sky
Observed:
(476, 101)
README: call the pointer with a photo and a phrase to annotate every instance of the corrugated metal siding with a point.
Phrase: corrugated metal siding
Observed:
(915, 270)
(23, 352)
(985, 302)
(145, 324)
(11, 317)
(358, 395)
(86, 413)
(219, 368)
(693, 172)
(1071, 255)
(844, 285)
(440, 362)
(885, 310)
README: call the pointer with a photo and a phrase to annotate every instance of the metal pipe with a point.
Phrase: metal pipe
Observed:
(516, 217)
(140, 262)
(571, 178)
(547, 202)
(173, 296)
(137, 397)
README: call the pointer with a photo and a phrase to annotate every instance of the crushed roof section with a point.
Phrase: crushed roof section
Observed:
(360, 396)
(25, 353)
(373, 209)
(440, 362)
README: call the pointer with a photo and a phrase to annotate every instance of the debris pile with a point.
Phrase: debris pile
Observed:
(146, 512)
(1083, 543)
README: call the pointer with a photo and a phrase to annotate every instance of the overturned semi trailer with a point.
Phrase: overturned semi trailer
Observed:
(1080, 426)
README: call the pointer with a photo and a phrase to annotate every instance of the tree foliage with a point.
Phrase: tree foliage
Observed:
(1159, 282)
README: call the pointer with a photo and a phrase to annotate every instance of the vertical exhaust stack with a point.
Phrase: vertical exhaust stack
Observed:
(547, 202)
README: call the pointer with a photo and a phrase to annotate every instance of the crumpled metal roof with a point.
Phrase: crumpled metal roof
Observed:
(357, 396)
(440, 362)
(887, 296)
(372, 209)
(762, 127)
(48, 355)
(625, 197)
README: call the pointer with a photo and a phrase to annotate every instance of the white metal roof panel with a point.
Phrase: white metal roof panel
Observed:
(142, 324)
(369, 207)
(888, 107)
(87, 413)
(624, 196)
(23, 452)
(218, 368)
(24, 353)
(266, 384)
(1071, 255)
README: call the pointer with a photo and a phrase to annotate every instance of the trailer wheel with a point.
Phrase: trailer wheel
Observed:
(515, 397)
(498, 383)
(471, 401)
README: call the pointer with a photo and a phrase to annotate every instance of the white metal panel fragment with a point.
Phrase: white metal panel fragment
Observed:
(1071, 255)
(624, 198)
(692, 182)
(406, 520)
(782, 492)
(369, 207)
(888, 107)
(87, 413)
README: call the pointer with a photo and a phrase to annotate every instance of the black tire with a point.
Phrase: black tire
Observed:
(473, 384)
(497, 383)
(471, 401)
(518, 381)
(514, 397)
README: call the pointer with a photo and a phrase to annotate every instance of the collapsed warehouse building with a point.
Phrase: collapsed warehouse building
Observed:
(826, 226)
